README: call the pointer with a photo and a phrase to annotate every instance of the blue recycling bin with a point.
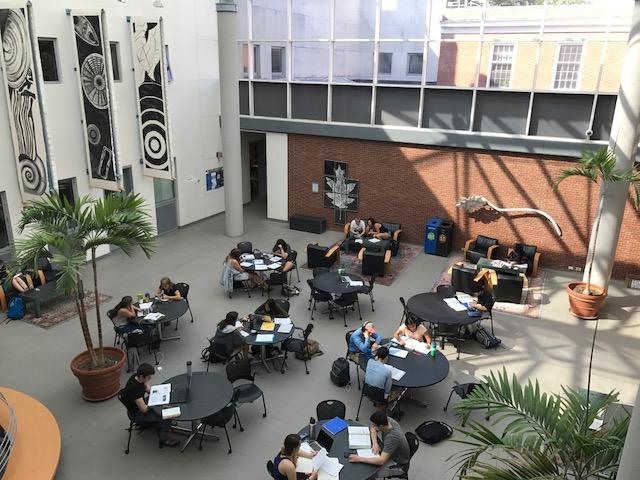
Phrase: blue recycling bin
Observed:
(431, 235)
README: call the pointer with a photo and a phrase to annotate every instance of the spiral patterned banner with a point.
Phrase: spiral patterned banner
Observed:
(96, 104)
(150, 78)
(25, 116)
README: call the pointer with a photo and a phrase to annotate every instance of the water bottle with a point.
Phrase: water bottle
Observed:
(312, 428)
(433, 348)
(140, 298)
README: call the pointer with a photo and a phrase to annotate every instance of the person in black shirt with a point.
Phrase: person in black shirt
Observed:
(133, 398)
(167, 290)
(283, 250)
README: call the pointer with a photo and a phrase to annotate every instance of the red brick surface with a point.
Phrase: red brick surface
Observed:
(410, 183)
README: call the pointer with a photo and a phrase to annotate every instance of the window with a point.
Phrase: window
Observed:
(256, 61)
(115, 60)
(66, 189)
(245, 60)
(568, 66)
(277, 61)
(384, 62)
(4, 224)
(48, 59)
(414, 64)
(501, 65)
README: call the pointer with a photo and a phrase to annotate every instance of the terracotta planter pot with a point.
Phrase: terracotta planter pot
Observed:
(99, 385)
(585, 306)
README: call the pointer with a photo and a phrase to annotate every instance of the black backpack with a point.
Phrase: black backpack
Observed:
(486, 339)
(432, 431)
(340, 372)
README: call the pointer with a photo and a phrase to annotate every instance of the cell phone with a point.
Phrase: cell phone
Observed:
(304, 436)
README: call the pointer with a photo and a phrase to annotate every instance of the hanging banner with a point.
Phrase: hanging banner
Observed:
(95, 100)
(26, 118)
(147, 39)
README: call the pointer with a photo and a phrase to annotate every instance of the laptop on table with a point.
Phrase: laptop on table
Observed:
(324, 441)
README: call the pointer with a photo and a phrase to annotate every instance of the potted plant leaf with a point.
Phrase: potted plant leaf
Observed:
(585, 298)
(68, 234)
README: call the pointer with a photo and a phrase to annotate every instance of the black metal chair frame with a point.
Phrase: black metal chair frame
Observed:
(305, 346)
(245, 286)
(133, 425)
(280, 279)
(345, 307)
(348, 357)
(375, 394)
(368, 289)
(294, 254)
(230, 354)
(206, 424)
(237, 388)
(332, 409)
(317, 296)
(147, 341)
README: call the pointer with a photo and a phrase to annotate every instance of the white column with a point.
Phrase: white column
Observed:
(630, 460)
(623, 142)
(277, 176)
(230, 111)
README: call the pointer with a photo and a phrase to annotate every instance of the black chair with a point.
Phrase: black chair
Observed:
(318, 270)
(463, 279)
(118, 329)
(184, 288)
(509, 287)
(275, 279)
(462, 390)
(274, 307)
(316, 296)
(245, 247)
(134, 340)
(219, 353)
(132, 423)
(353, 357)
(446, 291)
(481, 247)
(318, 256)
(405, 311)
(297, 345)
(375, 394)
(368, 289)
(414, 444)
(345, 302)
(450, 333)
(523, 253)
(293, 257)
(487, 300)
(374, 262)
(328, 409)
(245, 392)
(394, 229)
(270, 468)
(220, 419)
(241, 284)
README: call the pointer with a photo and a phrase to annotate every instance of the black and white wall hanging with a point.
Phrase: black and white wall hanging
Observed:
(94, 73)
(340, 193)
(147, 38)
(22, 74)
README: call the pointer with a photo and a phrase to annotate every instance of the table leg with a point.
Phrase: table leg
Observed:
(163, 338)
(263, 356)
(36, 306)
(192, 433)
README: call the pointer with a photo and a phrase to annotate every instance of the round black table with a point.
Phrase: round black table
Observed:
(172, 310)
(330, 282)
(340, 446)
(278, 338)
(431, 307)
(250, 265)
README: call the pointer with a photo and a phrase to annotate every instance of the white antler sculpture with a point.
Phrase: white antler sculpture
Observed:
(474, 203)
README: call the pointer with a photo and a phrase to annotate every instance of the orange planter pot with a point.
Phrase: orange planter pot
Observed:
(99, 385)
(585, 306)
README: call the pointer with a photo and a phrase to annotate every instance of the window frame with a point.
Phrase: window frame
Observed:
(115, 45)
(283, 61)
(556, 61)
(513, 64)
(56, 57)
(421, 54)
(390, 63)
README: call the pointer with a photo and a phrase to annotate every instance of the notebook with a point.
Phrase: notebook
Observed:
(267, 326)
(264, 338)
(171, 412)
(335, 425)
(359, 437)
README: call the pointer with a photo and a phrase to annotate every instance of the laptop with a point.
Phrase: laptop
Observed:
(179, 395)
(324, 441)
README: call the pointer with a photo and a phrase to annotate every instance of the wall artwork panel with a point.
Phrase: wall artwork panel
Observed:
(25, 116)
(340, 193)
(150, 80)
(96, 101)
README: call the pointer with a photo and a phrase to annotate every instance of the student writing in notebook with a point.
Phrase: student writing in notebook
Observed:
(284, 464)
(167, 290)
(412, 328)
(228, 334)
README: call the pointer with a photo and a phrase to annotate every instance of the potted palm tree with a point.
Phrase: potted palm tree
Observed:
(585, 298)
(68, 235)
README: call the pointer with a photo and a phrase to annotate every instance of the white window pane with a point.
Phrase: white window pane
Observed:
(568, 66)
(355, 18)
(269, 19)
(243, 56)
(384, 63)
(353, 62)
(414, 64)
(311, 19)
(278, 62)
(242, 21)
(403, 18)
(310, 61)
(399, 72)
(263, 60)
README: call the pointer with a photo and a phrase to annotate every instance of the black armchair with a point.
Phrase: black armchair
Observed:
(318, 256)
(523, 253)
(463, 279)
(481, 247)
(374, 262)
(509, 288)
(395, 229)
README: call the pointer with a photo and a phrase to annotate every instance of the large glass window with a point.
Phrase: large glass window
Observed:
(567, 71)
(264, 56)
(353, 62)
(163, 190)
(384, 63)
(403, 19)
(269, 18)
(393, 62)
(310, 61)
(355, 18)
(311, 19)
(414, 64)
(501, 66)
(242, 20)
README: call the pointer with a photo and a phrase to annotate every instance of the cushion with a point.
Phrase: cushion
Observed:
(529, 251)
(483, 243)
(392, 227)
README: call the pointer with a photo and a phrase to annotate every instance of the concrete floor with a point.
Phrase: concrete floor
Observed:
(554, 349)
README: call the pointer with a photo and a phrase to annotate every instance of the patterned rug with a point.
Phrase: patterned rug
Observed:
(532, 295)
(406, 254)
(62, 309)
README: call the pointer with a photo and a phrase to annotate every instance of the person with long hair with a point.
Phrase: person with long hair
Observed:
(127, 312)
(228, 334)
(284, 464)
(283, 250)
(167, 290)
(240, 274)
(377, 230)
(414, 329)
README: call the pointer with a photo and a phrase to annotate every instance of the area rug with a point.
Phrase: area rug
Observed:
(533, 294)
(62, 309)
(406, 254)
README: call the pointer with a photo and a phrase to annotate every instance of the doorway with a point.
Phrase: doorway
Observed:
(254, 170)
(67, 189)
(166, 206)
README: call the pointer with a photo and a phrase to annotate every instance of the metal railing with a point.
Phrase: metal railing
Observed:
(9, 439)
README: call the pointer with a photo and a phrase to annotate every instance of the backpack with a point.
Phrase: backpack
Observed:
(290, 290)
(486, 339)
(313, 349)
(16, 309)
(432, 431)
(340, 372)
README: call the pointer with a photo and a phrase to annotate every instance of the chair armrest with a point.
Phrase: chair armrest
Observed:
(457, 264)
(486, 272)
(332, 250)
(361, 253)
(387, 256)
(3, 300)
(490, 250)
(42, 277)
(467, 244)
(396, 234)
(29, 280)
(536, 261)
(525, 281)
(345, 230)
(313, 243)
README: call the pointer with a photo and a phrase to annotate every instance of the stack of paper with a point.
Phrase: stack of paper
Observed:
(258, 261)
(355, 283)
(145, 305)
(285, 328)
(260, 267)
(374, 240)
(245, 264)
(172, 412)
(275, 258)
(366, 453)
(264, 338)
(396, 373)
(455, 304)
(282, 320)
(398, 352)
(359, 240)
(359, 437)
(273, 266)
(416, 345)
(464, 297)
(153, 317)
(159, 394)
(244, 334)
(327, 467)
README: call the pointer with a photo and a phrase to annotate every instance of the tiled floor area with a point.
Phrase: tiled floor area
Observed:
(554, 349)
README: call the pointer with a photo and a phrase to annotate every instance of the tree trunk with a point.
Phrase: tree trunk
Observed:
(595, 242)
(97, 300)
(82, 314)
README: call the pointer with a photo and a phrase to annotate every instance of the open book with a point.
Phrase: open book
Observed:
(359, 437)
(327, 467)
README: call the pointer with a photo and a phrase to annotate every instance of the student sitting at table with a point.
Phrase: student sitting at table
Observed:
(283, 250)
(240, 274)
(167, 290)
(126, 311)
(284, 464)
(132, 396)
(357, 228)
(377, 230)
(412, 329)
(364, 341)
(378, 375)
(395, 450)
(228, 334)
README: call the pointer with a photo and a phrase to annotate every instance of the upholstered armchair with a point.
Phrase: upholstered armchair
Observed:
(527, 254)
(318, 256)
(509, 287)
(374, 261)
(463, 279)
(481, 247)
(395, 229)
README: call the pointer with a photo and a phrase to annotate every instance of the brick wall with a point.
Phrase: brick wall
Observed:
(410, 183)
